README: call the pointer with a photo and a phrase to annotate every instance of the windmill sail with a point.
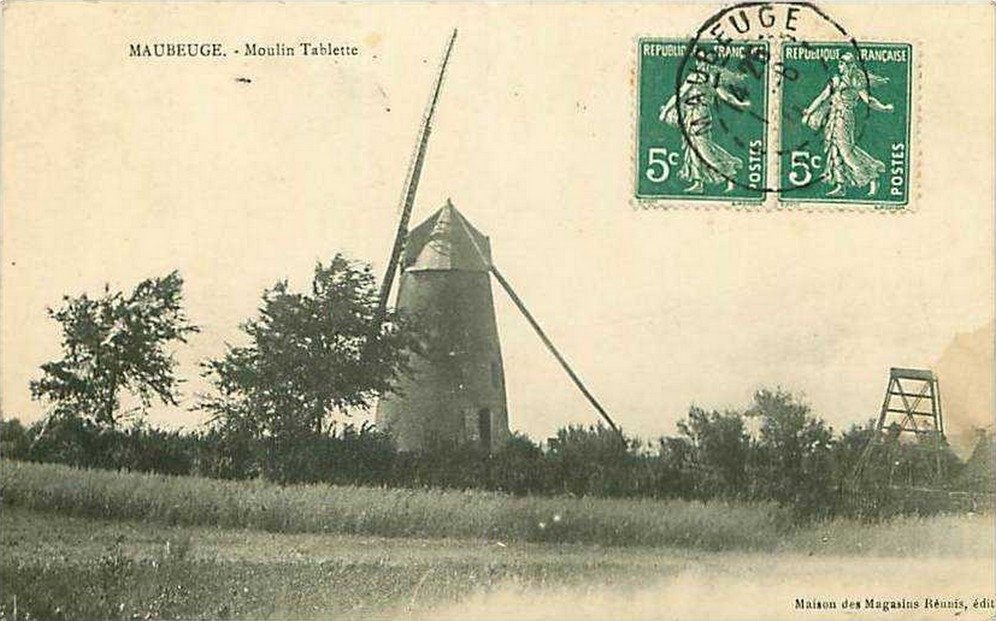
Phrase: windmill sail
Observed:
(411, 185)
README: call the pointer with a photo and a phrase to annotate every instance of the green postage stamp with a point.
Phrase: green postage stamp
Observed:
(845, 126)
(836, 132)
(703, 120)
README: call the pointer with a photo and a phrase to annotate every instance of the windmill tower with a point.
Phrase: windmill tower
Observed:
(456, 392)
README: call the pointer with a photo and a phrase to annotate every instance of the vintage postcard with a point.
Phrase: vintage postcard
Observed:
(509, 310)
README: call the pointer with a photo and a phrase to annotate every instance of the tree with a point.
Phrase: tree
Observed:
(15, 439)
(115, 344)
(676, 473)
(720, 446)
(309, 357)
(591, 460)
(517, 466)
(795, 453)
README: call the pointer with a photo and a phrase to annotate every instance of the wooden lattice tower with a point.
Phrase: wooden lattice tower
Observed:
(911, 407)
(913, 402)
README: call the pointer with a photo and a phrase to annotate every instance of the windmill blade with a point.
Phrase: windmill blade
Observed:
(411, 186)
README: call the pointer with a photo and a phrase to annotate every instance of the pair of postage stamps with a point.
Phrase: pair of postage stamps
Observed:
(760, 123)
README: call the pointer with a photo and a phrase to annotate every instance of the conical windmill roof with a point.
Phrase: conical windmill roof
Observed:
(446, 241)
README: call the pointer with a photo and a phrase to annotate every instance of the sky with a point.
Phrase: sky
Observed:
(116, 169)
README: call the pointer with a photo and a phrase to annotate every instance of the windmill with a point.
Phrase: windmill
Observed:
(456, 391)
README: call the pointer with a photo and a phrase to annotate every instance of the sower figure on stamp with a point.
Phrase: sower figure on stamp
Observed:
(847, 165)
(704, 160)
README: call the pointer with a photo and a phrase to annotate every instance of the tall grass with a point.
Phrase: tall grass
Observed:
(391, 512)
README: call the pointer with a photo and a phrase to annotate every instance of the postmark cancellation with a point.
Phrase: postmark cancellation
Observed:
(774, 106)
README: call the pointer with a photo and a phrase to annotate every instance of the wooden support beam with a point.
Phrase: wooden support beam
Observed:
(553, 350)
(542, 335)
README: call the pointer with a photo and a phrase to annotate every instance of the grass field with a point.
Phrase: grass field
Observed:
(391, 513)
(107, 545)
(87, 568)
